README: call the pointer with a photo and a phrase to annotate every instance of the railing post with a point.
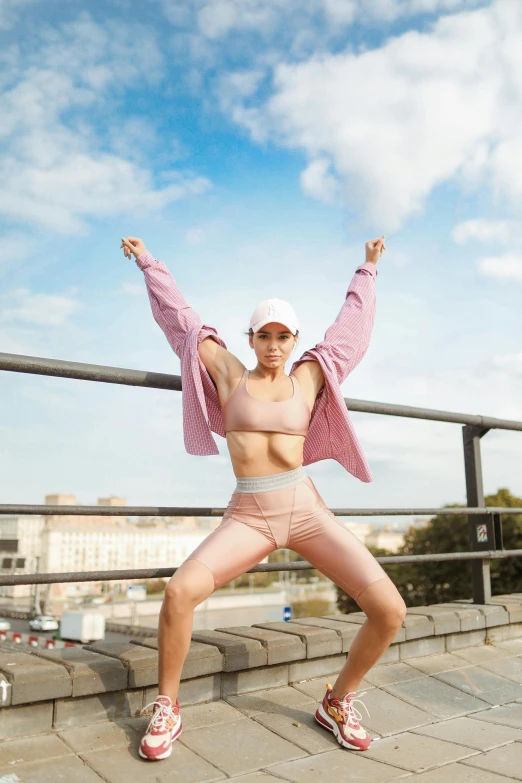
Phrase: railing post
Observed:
(481, 528)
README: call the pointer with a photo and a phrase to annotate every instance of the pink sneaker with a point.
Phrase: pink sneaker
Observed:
(340, 717)
(164, 727)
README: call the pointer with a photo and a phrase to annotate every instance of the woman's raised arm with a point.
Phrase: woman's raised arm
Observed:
(175, 316)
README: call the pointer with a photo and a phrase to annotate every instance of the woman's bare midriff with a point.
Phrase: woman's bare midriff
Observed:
(264, 453)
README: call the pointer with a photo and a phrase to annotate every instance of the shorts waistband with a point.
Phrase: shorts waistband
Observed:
(273, 481)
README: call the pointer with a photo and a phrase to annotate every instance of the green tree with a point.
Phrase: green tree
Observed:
(421, 584)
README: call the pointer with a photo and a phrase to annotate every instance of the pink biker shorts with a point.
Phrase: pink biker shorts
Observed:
(293, 517)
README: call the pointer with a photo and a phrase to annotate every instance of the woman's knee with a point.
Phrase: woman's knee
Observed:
(190, 585)
(383, 603)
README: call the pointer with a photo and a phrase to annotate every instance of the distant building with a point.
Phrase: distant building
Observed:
(20, 546)
(75, 542)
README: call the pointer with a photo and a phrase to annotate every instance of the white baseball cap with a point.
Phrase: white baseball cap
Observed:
(274, 311)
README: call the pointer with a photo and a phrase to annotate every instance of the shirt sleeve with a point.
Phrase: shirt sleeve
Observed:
(347, 339)
(170, 309)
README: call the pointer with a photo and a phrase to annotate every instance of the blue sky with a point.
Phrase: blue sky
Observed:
(255, 145)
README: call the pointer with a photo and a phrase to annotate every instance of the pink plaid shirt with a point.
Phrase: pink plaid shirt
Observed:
(331, 434)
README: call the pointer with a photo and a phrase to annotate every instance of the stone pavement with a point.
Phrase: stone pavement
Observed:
(445, 718)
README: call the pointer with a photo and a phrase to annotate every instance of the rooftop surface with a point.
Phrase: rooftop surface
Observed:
(452, 717)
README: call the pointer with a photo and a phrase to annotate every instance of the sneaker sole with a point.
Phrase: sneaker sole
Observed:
(325, 721)
(177, 732)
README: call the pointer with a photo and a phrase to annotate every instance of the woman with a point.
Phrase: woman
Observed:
(274, 424)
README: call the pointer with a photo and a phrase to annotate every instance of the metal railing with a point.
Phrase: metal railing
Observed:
(484, 523)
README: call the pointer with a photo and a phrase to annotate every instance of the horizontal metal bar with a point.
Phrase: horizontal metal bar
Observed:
(59, 368)
(105, 374)
(206, 511)
(300, 565)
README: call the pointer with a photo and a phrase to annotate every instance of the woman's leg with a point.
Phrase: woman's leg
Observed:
(385, 608)
(333, 549)
(228, 552)
(190, 585)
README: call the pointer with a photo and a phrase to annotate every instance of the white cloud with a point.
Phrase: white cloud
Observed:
(55, 171)
(10, 11)
(424, 109)
(506, 267)
(40, 309)
(317, 181)
(481, 229)
(217, 19)
(131, 289)
(195, 236)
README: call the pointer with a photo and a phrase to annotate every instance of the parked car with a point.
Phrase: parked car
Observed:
(5, 625)
(44, 622)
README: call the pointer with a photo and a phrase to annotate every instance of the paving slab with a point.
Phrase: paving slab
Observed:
(472, 733)
(235, 754)
(353, 617)
(418, 648)
(28, 719)
(338, 765)
(83, 710)
(510, 715)
(442, 662)
(195, 691)
(392, 672)
(141, 662)
(511, 668)
(458, 773)
(347, 631)
(470, 620)
(90, 672)
(436, 697)
(483, 654)
(417, 627)
(514, 645)
(69, 768)
(239, 652)
(328, 667)
(444, 619)
(358, 618)
(103, 736)
(416, 753)
(300, 729)
(211, 714)
(280, 647)
(24, 751)
(256, 777)
(319, 641)
(457, 641)
(123, 764)
(33, 679)
(506, 760)
(235, 683)
(494, 615)
(389, 714)
(484, 684)
(201, 658)
(283, 701)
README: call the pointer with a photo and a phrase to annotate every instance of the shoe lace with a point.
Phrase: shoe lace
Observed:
(349, 710)
(159, 716)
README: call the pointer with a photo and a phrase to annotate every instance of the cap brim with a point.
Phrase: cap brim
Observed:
(255, 328)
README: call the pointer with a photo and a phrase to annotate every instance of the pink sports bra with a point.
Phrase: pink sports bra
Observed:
(245, 413)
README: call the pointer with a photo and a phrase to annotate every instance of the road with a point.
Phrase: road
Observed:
(22, 626)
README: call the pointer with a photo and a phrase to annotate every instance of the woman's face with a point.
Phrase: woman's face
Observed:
(273, 345)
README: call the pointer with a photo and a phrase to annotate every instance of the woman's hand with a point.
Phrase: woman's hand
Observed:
(132, 245)
(374, 249)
